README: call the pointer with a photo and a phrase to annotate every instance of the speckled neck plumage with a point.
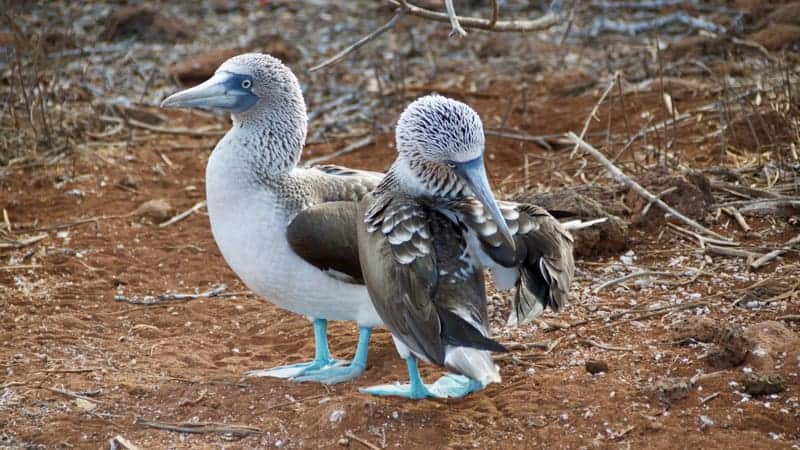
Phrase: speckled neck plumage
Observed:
(420, 178)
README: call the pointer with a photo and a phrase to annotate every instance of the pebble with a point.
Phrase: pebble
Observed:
(594, 366)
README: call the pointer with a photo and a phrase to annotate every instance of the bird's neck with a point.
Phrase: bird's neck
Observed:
(421, 178)
(270, 139)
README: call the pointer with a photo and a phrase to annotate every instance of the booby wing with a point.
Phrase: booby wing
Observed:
(541, 267)
(408, 255)
(324, 235)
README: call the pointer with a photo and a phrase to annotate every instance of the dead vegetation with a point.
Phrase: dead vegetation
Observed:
(677, 120)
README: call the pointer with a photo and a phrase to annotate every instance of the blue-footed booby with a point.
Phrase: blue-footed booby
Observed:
(288, 232)
(430, 228)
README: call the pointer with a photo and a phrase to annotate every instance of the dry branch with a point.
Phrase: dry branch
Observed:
(171, 296)
(764, 260)
(521, 25)
(200, 427)
(362, 441)
(604, 346)
(456, 30)
(733, 212)
(602, 24)
(71, 394)
(618, 174)
(183, 215)
(361, 42)
(120, 443)
(594, 111)
(644, 273)
(361, 143)
(23, 242)
(729, 251)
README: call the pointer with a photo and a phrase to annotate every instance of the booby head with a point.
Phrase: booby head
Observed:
(244, 85)
(441, 142)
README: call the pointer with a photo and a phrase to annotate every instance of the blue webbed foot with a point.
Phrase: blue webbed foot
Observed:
(331, 375)
(448, 386)
(399, 390)
(322, 358)
(454, 386)
(296, 370)
(324, 368)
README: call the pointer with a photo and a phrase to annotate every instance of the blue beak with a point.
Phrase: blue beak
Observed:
(222, 91)
(474, 175)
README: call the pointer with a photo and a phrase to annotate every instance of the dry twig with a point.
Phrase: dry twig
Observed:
(362, 441)
(200, 427)
(604, 346)
(643, 273)
(171, 296)
(521, 25)
(72, 394)
(456, 30)
(594, 111)
(361, 42)
(765, 259)
(183, 215)
(23, 242)
(120, 443)
(359, 144)
(619, 175)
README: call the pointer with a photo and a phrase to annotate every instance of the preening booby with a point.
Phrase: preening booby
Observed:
(430, 228)
(289, 233)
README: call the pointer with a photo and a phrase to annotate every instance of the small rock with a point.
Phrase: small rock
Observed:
(157, 210)
(344, 442)
(701, 329)
(769, 340)
(75, 193)
(85, 405)
(336, 415)
(705, 422)
(776, 36)
(721, 358)
(670, 389)
(199, 67)
(129, 181)
(764, 383)
(594, 366)
(146, 24)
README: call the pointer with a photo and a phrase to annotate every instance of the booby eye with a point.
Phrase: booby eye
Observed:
(451, 164)
(246, 84)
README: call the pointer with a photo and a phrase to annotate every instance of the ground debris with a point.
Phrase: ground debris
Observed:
(157, 210)
(764, 383)
(146, 24)
(610, 237)
(670, 389)
(594, 366)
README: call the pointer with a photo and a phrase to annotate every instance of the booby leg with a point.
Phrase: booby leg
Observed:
(415, 389)
(333, 375)
(322, 357)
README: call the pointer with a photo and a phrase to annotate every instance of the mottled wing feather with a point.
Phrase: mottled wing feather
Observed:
(397, 255)
(543, 253)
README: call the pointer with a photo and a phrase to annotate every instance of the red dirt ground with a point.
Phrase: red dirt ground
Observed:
(183, 361)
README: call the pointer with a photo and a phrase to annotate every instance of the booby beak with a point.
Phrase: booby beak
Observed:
(474, 174)
(224, 90)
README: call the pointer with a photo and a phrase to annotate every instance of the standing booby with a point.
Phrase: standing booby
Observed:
(287, 232)
(430, 228)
